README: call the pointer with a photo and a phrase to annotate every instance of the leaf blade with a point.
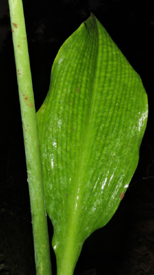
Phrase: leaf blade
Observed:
(91, 126)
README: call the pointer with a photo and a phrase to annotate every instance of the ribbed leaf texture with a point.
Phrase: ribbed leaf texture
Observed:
(90, 127)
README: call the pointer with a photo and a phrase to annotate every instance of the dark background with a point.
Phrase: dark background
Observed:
(126, 244)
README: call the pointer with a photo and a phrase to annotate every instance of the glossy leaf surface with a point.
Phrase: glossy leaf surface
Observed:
(90, 127)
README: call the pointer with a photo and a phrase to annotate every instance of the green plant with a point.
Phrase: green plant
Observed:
(90, 129)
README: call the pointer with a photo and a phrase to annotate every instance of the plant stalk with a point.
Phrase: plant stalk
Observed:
(31, 142)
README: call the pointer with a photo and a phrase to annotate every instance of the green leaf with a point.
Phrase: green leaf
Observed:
(90, 127)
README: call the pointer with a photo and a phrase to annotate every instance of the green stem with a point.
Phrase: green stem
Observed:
(34, 170)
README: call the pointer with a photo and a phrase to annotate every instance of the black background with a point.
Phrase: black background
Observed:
(126, 244)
